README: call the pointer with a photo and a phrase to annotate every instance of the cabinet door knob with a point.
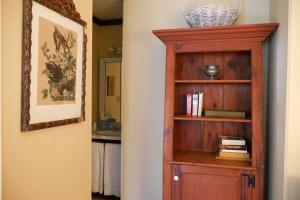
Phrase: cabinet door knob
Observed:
(176, 178)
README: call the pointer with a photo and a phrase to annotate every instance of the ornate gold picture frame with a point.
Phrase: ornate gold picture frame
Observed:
(53, 64)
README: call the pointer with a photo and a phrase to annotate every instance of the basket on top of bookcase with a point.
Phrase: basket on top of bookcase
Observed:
(210, 14)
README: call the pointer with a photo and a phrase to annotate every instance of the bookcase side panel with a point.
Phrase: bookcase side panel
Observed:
(168, 122)
(258, 134)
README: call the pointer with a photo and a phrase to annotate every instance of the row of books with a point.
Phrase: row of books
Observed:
(233, 148)
(194, 104)
(194, 107)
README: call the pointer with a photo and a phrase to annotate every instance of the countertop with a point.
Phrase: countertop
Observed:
(107, 135)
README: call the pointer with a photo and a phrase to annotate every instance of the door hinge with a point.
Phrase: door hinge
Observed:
(251, 179)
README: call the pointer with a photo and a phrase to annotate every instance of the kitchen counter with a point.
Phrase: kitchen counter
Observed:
(107, 135)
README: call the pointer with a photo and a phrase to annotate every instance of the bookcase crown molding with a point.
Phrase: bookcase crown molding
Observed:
(252, 32)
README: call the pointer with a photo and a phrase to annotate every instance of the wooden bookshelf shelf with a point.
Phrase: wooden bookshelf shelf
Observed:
(211, 119)
(213, 81)
(206, 159)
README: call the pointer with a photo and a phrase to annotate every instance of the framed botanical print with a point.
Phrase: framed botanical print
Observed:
(53, 64)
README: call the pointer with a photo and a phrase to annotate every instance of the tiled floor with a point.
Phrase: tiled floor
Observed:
(100, 197)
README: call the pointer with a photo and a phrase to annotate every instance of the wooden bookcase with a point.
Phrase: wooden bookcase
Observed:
(191, 170)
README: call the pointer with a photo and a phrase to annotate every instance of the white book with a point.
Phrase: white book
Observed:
(232, 140)
(200, 104)
(234, 151)
(195, 101)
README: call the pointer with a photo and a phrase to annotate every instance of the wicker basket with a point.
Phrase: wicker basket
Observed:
(211, 15)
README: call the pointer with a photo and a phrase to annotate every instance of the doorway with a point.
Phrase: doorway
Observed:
(106, 99)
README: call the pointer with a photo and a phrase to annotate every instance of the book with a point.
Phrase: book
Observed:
(225, 114)
(195, 101)
(231, 140)
(234, 155)
(189, 104)
(233, 151)
(236, 147)
(200, 104)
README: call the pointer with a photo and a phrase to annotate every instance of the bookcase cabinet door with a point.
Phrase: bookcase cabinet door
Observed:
(203, 183)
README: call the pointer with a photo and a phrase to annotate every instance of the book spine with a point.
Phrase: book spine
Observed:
(235, 147)
(233, 142)
(234, 155)
(200, 104)
(195, 101)
(189, 104)
(229, 114)
(233, 151)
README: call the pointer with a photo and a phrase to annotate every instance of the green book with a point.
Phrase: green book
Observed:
(225, 114)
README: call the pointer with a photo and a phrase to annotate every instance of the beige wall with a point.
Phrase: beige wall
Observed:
(277, 100)
(50, 164)
(0, 105)
(143, 89)
(293, 107)
(103, 37)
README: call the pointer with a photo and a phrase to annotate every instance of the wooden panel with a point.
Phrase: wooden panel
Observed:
(213, 81)
(168, 121)
(258, 137)
(238, 98)
(232, 34)
(206, 158)
(203, 183)
(211, 132)
(176, 185)
(231, 65)
(213, 97)
(210, 187)
(188, 136)
(211, 119)
(216, 46)
(189, 66)
(203, 135)
(237, 65)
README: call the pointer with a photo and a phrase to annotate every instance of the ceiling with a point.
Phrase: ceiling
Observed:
(108, 9)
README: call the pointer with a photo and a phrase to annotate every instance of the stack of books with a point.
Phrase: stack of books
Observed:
(233, 148)
(194, 104)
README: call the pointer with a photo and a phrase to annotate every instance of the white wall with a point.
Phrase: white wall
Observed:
(277, 100)
(292, 191)
(143, 89)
